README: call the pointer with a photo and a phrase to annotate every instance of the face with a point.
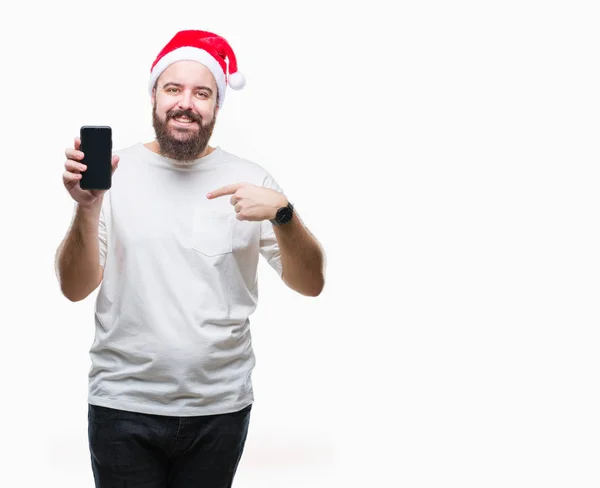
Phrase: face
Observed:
(184, 110)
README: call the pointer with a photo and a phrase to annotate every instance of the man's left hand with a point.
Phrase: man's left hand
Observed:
(251, 202)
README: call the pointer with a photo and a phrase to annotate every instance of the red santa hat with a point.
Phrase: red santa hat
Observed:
(207, 48)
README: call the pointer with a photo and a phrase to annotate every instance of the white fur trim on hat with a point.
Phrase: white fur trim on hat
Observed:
(189, 53)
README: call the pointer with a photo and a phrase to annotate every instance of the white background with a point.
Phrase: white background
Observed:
(446, 156)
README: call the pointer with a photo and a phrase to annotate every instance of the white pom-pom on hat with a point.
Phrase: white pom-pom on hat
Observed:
(236, 80)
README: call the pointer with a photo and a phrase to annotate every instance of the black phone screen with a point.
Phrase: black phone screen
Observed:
(96, 145)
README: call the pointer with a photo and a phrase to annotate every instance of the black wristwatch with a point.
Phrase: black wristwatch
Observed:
(284, 215)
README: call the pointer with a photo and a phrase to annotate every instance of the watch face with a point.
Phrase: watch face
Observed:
(284, 215)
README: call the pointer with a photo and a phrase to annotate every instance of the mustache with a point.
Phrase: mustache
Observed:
(185, 113)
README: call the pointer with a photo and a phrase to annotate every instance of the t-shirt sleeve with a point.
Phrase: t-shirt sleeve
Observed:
(269, 248)
(102, 233)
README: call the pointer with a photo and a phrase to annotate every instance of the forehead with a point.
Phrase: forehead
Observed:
(188, 73)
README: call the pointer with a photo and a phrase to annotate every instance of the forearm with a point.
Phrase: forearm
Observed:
(78, 262)
(302, 258)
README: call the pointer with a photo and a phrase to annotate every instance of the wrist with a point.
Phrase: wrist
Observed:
(89, 213)
(282, 202)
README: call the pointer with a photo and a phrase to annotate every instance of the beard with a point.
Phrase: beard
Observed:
(188, 143)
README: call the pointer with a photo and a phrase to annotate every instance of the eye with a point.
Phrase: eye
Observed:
(202, 95)
(171, 90)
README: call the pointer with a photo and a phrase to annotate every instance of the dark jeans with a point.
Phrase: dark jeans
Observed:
(152, 451)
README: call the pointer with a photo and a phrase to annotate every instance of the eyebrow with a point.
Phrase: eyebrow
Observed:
(179, 85)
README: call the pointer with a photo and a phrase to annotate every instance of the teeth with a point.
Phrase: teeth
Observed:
(183, 119)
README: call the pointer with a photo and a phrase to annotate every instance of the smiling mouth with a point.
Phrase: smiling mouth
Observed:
(184, 120)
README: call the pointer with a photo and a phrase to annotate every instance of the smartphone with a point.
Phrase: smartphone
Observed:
(96, 145)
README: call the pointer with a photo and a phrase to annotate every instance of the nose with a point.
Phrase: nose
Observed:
(185, 101)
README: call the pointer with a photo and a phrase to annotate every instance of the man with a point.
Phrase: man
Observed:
(174, 246)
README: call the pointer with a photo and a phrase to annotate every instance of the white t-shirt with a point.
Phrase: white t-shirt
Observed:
(180, 281)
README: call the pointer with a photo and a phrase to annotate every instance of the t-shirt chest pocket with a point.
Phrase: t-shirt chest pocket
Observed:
(213, 231)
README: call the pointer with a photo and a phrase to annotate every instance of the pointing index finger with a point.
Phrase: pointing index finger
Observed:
(224, 190)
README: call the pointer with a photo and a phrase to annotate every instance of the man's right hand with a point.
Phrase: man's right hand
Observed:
(72, 175)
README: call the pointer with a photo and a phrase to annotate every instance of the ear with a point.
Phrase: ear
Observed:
(154, 90)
